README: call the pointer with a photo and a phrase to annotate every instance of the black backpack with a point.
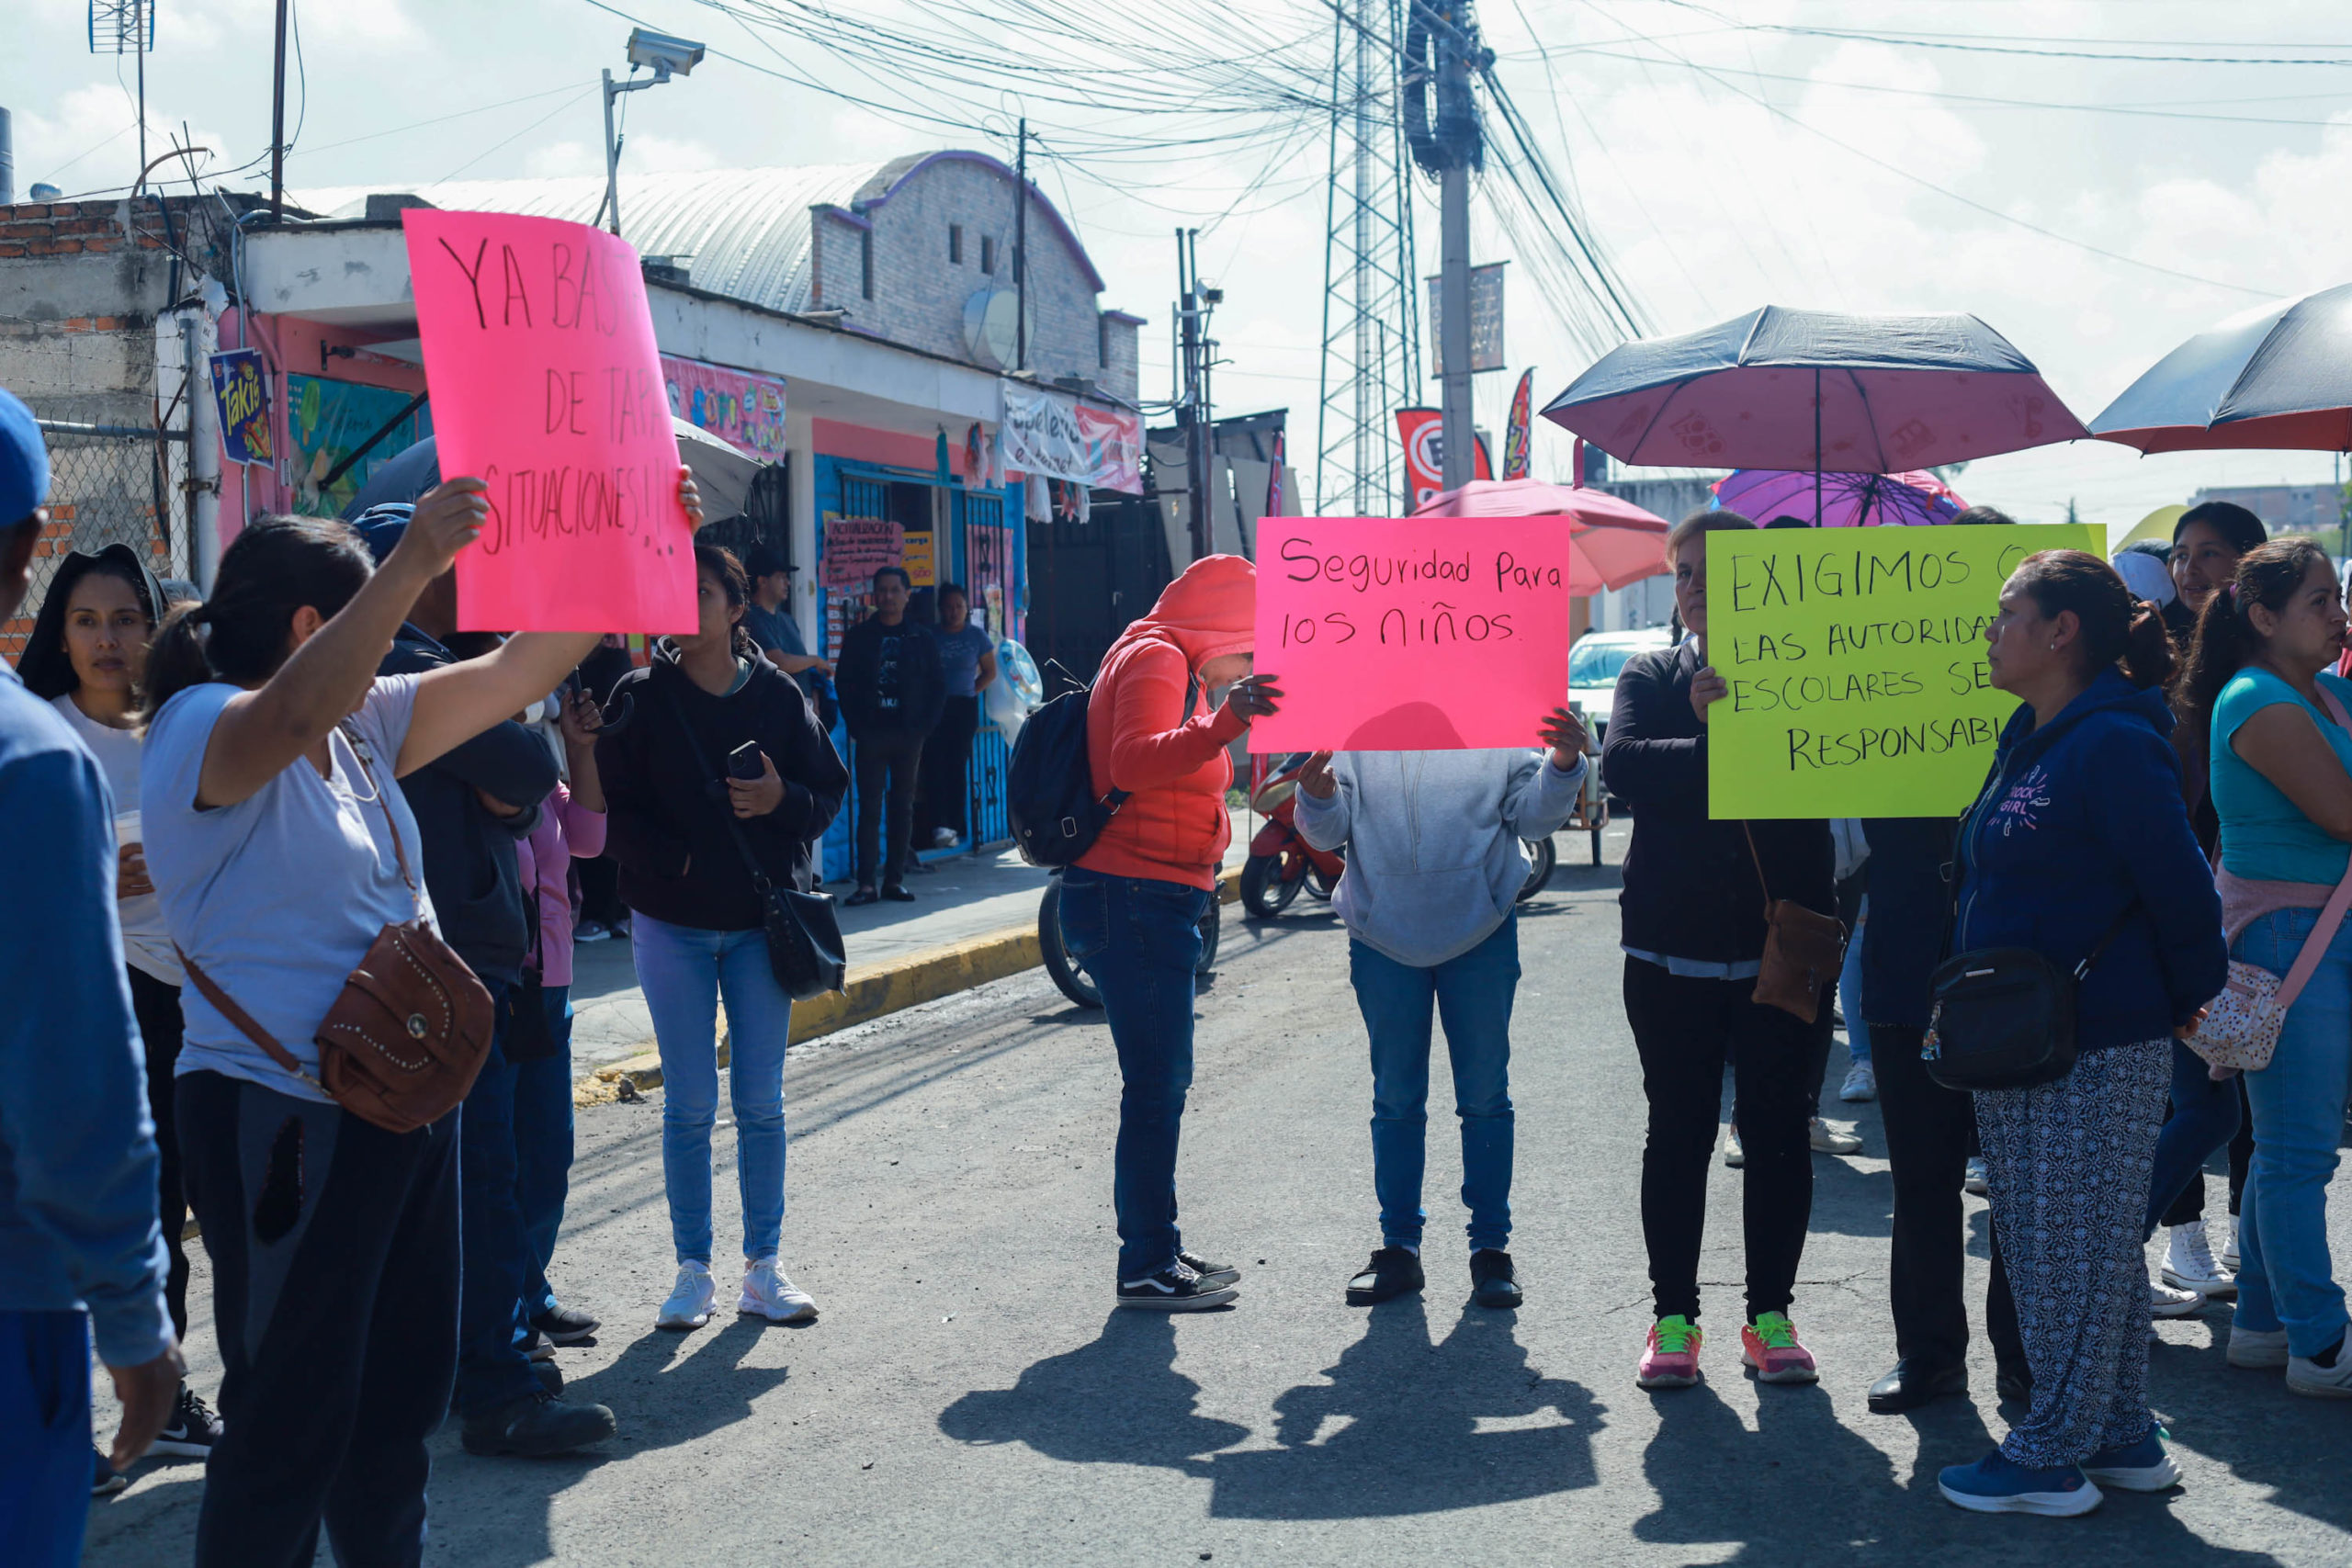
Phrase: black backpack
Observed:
(1049, 783)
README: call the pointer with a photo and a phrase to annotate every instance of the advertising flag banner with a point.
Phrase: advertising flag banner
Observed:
(1517, 434)
(1856, 663)
(1423, 431)
(1411, 636)
(547, 386)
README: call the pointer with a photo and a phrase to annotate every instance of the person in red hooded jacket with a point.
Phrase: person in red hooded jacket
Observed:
(1132, 905)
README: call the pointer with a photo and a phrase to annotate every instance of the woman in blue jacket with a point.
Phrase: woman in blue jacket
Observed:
(2081, 835)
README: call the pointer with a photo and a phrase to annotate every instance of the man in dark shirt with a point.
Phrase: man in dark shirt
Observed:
(891, 693)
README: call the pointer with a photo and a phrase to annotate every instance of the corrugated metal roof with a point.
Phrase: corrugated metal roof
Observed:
(744, 231)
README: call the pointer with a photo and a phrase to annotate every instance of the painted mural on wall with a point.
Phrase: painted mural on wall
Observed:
(326, 421)
(742, 410)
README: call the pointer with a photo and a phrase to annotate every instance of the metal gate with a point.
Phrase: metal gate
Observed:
(106, 487)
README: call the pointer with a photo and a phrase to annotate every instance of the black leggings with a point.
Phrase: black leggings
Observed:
(334, 1298)
(1685, 1030)
(156, 1006)
(946, 763)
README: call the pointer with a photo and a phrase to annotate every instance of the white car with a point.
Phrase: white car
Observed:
(1593, 665)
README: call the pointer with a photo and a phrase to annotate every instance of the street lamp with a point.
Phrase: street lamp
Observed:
(664, 55)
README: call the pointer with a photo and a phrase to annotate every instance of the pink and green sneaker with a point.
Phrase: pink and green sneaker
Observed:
(1770, 1345)
(1670, 1359)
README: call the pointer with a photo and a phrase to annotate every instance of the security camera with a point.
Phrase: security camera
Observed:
(662, 54)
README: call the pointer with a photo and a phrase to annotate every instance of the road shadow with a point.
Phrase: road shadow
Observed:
(1117, 1400)
(1402, 1427)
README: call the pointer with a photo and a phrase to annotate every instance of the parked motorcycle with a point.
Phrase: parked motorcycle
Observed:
(1281, 861)
(1072, 981)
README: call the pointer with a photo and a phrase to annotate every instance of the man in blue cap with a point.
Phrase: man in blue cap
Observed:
(80, 1248)
(471, 806)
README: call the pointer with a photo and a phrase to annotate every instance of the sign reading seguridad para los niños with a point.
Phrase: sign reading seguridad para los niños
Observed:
(1856, 663)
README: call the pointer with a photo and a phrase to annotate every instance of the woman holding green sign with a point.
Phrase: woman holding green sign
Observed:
(2079, 849)
(1694, 940)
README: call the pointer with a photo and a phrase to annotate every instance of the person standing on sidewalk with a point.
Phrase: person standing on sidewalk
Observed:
(279, 848)
(472, 803)
(570, 827)
(1693, 906)
(86, 652)
(1436, 858)
(891, 692)
(967, 666)
(79, 1249)
(708, 701)
(1132, 906)
(768, 616)
(2078, 849)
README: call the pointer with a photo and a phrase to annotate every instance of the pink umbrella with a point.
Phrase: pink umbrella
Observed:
(1614, 542)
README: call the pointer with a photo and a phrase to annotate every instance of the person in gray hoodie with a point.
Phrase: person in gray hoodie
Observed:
(1429, 896)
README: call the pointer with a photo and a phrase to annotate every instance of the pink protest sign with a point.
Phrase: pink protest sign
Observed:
(547, 386)
(1429, 635)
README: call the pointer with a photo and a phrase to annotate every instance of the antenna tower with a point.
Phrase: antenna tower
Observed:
(1371, 358)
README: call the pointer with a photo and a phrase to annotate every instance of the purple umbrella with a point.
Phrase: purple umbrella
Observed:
(1812, 390)
(1848, 501)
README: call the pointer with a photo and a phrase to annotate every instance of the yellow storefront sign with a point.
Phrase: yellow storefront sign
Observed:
(1856, 663)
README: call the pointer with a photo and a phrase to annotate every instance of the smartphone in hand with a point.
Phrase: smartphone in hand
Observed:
(745, 762)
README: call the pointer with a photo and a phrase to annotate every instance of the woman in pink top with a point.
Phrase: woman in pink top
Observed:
(571, 827)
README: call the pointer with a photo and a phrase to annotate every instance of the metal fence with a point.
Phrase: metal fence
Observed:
(107, 486)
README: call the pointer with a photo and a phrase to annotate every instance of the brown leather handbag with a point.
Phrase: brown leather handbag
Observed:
(404, 1041)
(1802, 949)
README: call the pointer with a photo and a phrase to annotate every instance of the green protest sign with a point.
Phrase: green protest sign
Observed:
(1856, 663)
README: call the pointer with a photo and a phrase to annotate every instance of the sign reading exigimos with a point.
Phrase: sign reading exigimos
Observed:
(1856, 663)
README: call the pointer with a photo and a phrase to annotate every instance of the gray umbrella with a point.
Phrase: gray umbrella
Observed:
(722, 474)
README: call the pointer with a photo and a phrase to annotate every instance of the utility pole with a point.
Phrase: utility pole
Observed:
(278, 126)
(1020, 253)
(1458, 141)
(1191, 413)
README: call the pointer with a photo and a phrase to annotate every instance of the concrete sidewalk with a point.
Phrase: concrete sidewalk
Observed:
(974, 920)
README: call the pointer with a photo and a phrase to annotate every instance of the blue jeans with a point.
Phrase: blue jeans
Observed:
(1850, 989)
(2285, 1278)
(1139, 940)
(2204, 1118)
(686, 973)
(45, 1435)
(494, 1254)
(1472, 992)
(543, 1151)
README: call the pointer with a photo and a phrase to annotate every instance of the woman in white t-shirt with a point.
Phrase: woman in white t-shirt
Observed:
(269, 813)
(85, 654)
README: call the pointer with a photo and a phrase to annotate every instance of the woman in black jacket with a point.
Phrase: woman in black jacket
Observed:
(698, 929)
(1693, 910)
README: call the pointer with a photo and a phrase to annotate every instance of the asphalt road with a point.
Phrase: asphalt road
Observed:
(970, 1397)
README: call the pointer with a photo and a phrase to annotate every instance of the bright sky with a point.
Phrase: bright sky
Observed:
(1726, 160)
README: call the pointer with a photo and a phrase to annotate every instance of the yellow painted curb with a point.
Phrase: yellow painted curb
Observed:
(875, 990)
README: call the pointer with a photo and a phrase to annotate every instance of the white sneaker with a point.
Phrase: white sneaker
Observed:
(1979, 1178)
(1861, 1083)
(2188, 1264)
(2230, 1253)
(2308, 1377)
(690, 1299)
(1828, 1140)
(1733, 1156)
(944, 839)
(2166, 1301)
(2259, 1348)
(769, 1293)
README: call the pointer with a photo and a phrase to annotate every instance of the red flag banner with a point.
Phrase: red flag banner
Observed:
(1423, 431)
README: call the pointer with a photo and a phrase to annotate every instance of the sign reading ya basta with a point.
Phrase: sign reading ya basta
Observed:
(1856, 663)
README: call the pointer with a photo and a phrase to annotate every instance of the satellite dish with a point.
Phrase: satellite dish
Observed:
(991, 318)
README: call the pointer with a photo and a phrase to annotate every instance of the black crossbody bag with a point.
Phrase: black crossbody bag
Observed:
(803, 935)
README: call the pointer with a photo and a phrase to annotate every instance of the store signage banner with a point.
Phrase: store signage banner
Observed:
(1411, 636)
(1064, 439)
(855, 548)
(744, 410)
(241, 389)
(1856, 663)
(539, 353)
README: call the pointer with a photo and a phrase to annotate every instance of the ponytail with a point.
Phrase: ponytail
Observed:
(273, 569)
(2117, 628)
(2226, 639)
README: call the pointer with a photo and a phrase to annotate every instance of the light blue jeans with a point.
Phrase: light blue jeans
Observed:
(686, 973)
(2285, 1277)
(1849, 989)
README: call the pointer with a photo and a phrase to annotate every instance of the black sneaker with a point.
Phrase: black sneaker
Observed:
(864, 894)
(1175, 1287)
(566, 1326)
(2014, 1384)
(898, 894)
(551, 1376)
(1212, 1274)
(535, 1426)
(1493, 1282)
(191, 1431)
(105, 1479)
(1392, 1272)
